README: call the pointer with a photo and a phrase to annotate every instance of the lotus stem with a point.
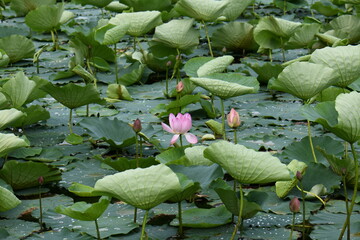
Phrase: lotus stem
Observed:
(70, 121)
(303, 203)
(239, 222)
(54, 39)
(310, 141)
(284, 7)
(312, 194)
(270, 55)
(235, 136)
(208, 38)
(292, 226)
(116, 65)
(135, 214)
(223, 118)
(346, 203)
(41, 210)
(143, 234)
(87, 110)
(97, 229)
(167, 82)
(180, 231)
(347, 222)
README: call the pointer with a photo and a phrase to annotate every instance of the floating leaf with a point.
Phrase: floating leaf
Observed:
(32, 114)
(143, 188)
(17, 47)
(205, 10)
(216, 65)
(8, 200)
(247, 165)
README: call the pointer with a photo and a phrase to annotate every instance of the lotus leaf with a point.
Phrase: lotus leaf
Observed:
(18, 95)
(22, 7)
(143, 188)
(341, 117)
(326, 8)
(247, 165)
(8, 200)
(4, 58)
(85, 211)
(81, 190)
(47, 18)
(97, 3)
(303, 79)
(329, 38)
(17, 47)
(8, 116)
(272, 33)
(144, 5)
(10, 142)
(347, 26)
(304, 36)
(266, 70)
(32, 114)
(189, 188)
(118, 91)
(72, 95)
(222, 89)
(239, 35)
(195, 156)
(116, 7)
(205, 10)
(236, 78)
(345, 60)
(234, 8)
(138, 23)
(192, 65)
(216, 65)
(110, 34)
(22, 175)
(178, 34)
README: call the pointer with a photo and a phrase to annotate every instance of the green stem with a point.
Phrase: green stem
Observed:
(97, 230)
(270, 55)
(87, 110)
(54, 39)
(356, 169)
(143, 237)
(235, 136)
(346, 204)
(91, 71)
(116, 65)
(180, 232)
(282, 49)
(70, 121)
(303, 208)
(284, 7)
(137, 149)
(213, 105)
(41, 210)
(234, 189)
(135, 214)
(208, 38)
(292, 226)
(223, 118)
(310, 141)
(240, 214)
(167, 83)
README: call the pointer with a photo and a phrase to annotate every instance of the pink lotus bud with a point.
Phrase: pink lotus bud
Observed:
(299, 176)
(233, 119)
(41, 180)
(180, 87)
(294, 205)
(137, 125)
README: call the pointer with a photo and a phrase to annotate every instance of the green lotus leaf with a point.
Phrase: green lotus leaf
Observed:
(139, 23)
(72, 95)
(131, 74)
(81, 190)
(205, 10)
(18, 95)
(158, 64)
(304, 36)
(86, 75)
(47, 18)
(290, 4)
(178, 34)
(143, 188)
(345, 60)
(116, 7)
(331, 40)
(10, 142)
(216, 65)
(8, 200)
(85, 211)
(31, 115)
(146, 5)
(8, 116)
(4, 58)
(303, 79)
(195, 156)
(22, 175)
(110, 34)
(97, 3)
(22, 7)
(237, 78)
(234, 8)
(330, 93)
(347, 26)
(192, 65)
(266, 70)
(17, 47)
(326, 8)
(239, 35)
(340, 117)
(272, 33)
(284, 187)
(247, 165)
(189, 188)
(118, 91)
(222, 89)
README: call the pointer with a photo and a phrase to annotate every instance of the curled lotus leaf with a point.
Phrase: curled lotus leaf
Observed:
(4, 58)
(303, 79)
(22, 7)
(215, 65)
(204, 10)
(17, 47)
(234, 8)
(347, 26)
(345, 60)
(8, 200)
(247, 165)
(143, 188)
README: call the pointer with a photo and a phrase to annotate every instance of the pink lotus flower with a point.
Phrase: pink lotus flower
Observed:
(180, 125)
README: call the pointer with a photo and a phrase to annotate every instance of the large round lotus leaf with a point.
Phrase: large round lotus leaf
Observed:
(10, 142)
(4, 58)
(8, 200)
(272, 33)
(145, 5)
(178, 34)
(47, 18)
(345, 60)
(234, 8)
(22, 7)
(216, 65)
(221, 88)
(22, 175)
(17, 47)
(97, 3)
(347, 26)
(341, 117)
(204, 10)
(247, 165)
(303, 79)
(143, 188)
(239, 35)
(304, 36)
(139, 23)
(85, 211)
(8, 116)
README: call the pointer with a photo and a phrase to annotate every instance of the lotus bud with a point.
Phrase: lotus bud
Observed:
(299, 176)
(168, 64)
(233, 119)
(41, 180)
(180, 87)
(294, 205)
(137, 125)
